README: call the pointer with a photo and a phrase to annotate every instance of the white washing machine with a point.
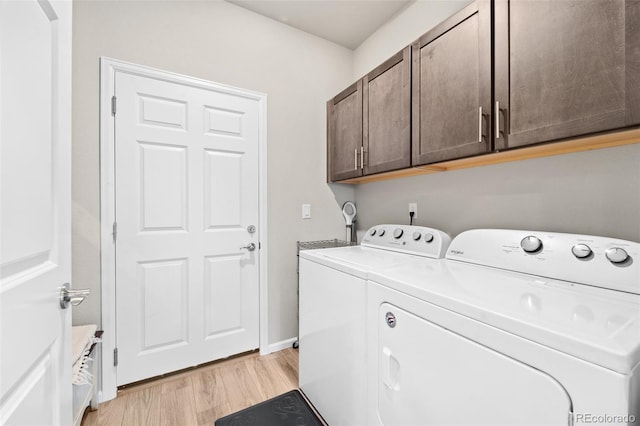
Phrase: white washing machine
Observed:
(516, 328)
(333, 296)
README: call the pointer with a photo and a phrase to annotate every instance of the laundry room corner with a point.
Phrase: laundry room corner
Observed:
(253, 49)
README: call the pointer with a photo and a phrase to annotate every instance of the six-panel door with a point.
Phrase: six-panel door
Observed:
(565, 68)
(186, 195)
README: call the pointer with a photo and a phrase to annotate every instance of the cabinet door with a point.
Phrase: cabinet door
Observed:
(344, 134)
(565, 68)
(387, 115)
(452, 87)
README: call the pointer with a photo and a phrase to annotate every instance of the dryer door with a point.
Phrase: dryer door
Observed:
(428, 375)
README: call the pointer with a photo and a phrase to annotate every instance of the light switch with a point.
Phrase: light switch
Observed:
(306, 211)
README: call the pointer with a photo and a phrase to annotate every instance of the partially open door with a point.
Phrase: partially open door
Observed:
(35, 234)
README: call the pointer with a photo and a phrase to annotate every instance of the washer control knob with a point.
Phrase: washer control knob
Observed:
(373, 232)
(531, 244)
(397, 233)
(417, 236)
(581, 251)
(428, 237)
(381, 232)
(616, 255)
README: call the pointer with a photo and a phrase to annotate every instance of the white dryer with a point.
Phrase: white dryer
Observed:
(516, 328)
(333, 296)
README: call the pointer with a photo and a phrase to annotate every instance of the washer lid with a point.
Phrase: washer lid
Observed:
(597, 325)
(383, 246)
(355, 260)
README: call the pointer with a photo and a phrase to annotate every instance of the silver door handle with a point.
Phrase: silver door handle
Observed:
(362, 157)
(480, 124)
(250, 247)
(355, 159)
(73, 297)
(497, 119)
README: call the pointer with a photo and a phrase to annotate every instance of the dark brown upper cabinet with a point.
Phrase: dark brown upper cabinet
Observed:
(498, 74)
(565, 68)
(344, 134)
(369, 123)
(387, 115)
(452, 87)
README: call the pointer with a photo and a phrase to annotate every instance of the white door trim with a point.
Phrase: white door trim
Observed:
(108, 69)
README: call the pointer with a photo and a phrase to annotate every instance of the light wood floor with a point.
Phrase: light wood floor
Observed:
(200, 396)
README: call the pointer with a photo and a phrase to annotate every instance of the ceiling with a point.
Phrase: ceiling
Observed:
(345, 22)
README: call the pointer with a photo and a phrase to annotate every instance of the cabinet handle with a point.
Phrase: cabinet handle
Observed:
(479, 124)
(497, 119)
(355, 159)
(362, 157)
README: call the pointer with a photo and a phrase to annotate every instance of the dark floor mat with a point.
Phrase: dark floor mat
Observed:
(288, 409)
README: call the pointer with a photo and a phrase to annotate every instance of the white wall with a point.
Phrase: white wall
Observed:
(405, 28)
(221, 42)
(595, 192)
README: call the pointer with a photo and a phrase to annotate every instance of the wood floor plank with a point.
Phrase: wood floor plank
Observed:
(283, 382)
(178, 404)
(111, 412)
(291, 356)
(143, 407)
(252, 387)
(237, 393)
(201, 395)
(210, 394)
(184, 381)
(209, 417)
(89, 418)
(259, 372)
(290, 371)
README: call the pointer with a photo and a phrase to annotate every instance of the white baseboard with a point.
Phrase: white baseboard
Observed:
(278, 346)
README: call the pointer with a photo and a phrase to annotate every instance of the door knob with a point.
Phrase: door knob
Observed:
(73, 297)
(250, 247)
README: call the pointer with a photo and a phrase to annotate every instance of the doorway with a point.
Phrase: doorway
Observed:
(183, 220)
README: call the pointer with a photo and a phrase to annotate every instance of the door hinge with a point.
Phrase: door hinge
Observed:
(115, 231)
(113, 105)
(115, 357)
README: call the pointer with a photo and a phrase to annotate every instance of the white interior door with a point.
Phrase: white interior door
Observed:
(186, 194)
(35, 135)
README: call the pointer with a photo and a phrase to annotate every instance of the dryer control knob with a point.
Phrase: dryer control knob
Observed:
(581, 251)
(531, 244)
(381, 232)
(397, 233)
(417, 236)
(373, 232)
(428, 237)
(616, 255)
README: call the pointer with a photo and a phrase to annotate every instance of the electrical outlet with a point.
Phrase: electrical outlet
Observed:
(413, 207)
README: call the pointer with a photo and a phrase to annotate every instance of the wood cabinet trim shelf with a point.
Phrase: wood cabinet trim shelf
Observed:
(605, 140)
